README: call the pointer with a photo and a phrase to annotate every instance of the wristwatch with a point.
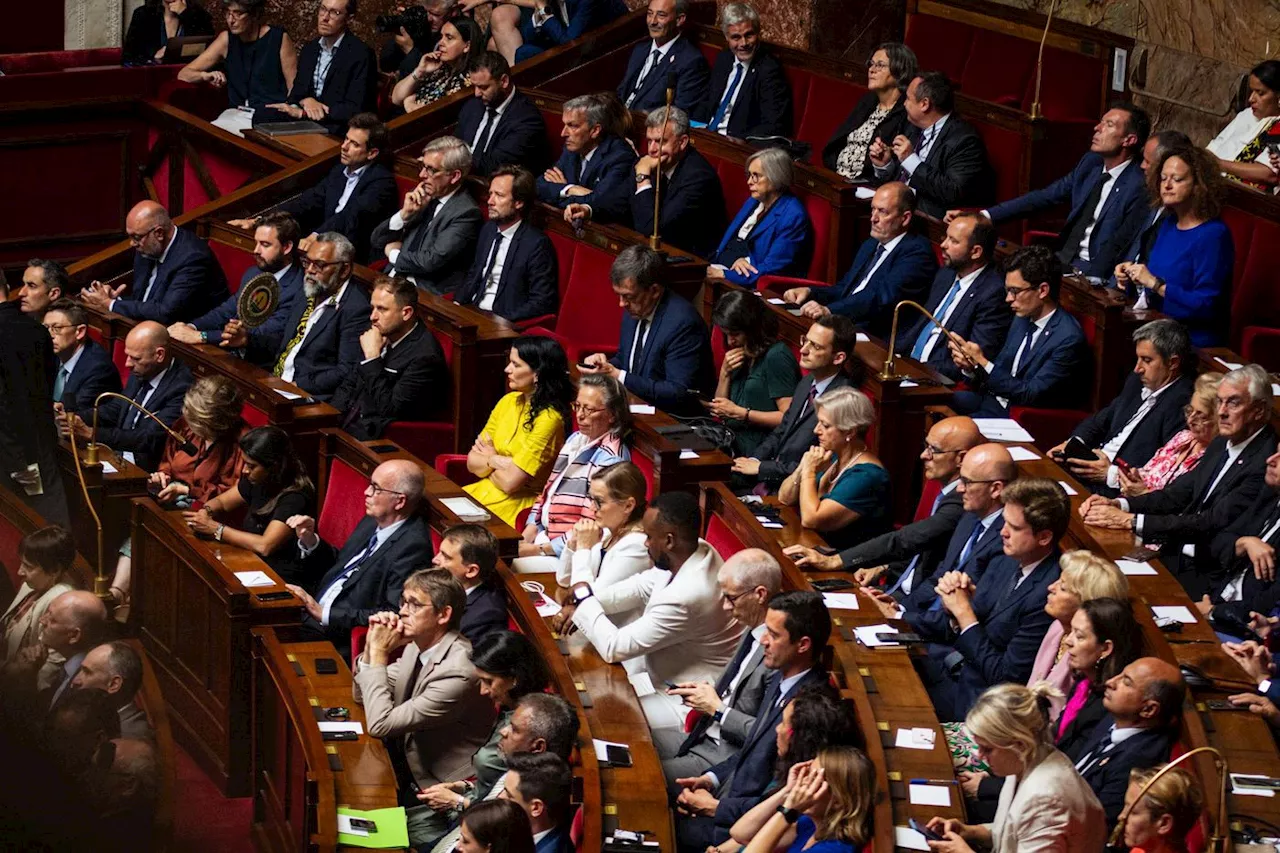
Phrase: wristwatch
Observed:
(789, 815)
(642, 178)
(582, 592)
(217, 533)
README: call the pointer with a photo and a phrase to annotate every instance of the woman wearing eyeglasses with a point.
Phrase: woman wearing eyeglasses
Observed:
(604, 424)
(879, 114)
(1182, 452)
(772, 234)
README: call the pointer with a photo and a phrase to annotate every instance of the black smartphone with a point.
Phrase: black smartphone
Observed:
(678, 259)
(337, 713)
(273, 596)
(830, 584)
(928, 833)
(326, 666)
(339, 736)
(364, 823)
(1224, 705)
(1077, 449)
(1273, 148)
(671, 685)
(586, 366)
(1255, 781)
(383, 448)
(898, 637)
(618, 756)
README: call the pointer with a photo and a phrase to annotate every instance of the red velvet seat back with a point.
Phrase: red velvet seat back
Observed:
(118, 358)
(1004, 151)
(733, 180)
(710, 52)
(226, 175)
(930, 492)
(589, 313)
(1254, 299)
(445, 342)
(644, 462)
(998, 68)
(343, 505)
(799, 80)
(720, 537)
(827, 104)
(234, 261)
(10, 539)
(940, 44)
(254, 416)
(58, 60)
(1069, 87)
(565, 250)
(820, 216)
(554, 120)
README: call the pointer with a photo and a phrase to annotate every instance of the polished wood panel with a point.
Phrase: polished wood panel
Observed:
(151, 701)
(110, 494)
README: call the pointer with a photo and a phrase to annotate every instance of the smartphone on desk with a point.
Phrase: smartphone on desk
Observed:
(928, 833)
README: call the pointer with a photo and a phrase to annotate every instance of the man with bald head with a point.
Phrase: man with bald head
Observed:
(175, 275)
(367, 574)
(1144, 706)
(73, 623)
(908, 555)
(158, 382)
(893, 264)
(116, 669)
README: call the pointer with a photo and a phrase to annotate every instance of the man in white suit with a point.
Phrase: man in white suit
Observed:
(684, 634)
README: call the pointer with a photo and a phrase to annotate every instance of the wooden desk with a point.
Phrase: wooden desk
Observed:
(195, 619)
(299, 147)
(299, 780)
(111, 495)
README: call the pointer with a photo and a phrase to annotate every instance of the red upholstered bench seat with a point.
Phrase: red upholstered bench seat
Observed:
(1255, 295)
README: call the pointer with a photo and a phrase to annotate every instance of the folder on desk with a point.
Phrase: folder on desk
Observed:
(393, 828)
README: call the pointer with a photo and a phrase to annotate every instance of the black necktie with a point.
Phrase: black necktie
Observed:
(637, 350)
(491, 119)
(866, 269)
(419, 235)
(655, 58)
(488, 267)
(1084, 218)
(139, 396)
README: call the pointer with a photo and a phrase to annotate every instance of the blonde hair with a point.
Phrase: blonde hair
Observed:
(1014, 716)
(1089, 576)
(1176, 793)
(851, 777)
(848, 409)
(1206, 390)
(212, 407)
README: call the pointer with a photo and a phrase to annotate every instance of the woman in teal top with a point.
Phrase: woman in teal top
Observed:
(841, 487)
(758, 373)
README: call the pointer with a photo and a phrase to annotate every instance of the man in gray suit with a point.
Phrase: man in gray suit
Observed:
(432, 239)
(116, 669)
(426, 705)
(747, 581)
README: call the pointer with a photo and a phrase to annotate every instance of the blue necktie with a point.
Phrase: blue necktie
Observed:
(978, 530)
(915, 561)
(60, 383)
(917, 351)
(727, 99)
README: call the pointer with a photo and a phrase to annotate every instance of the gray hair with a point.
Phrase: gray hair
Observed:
(738, 13)
(848, 409)
(681, 7)
(457, 156)
(615, 400)
(123, 661)
(777, 167)
(55, 274)
(754, 567)
(679, 120)
(343, 251)
(637, 262)
(1168, 338)
(1255, 378)
(552, 719)
(593, 108)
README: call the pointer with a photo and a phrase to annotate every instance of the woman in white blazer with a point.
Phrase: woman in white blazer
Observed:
(46, 570)
(1045, 806)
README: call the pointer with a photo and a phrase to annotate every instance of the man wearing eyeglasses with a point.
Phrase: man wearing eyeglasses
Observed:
(366, 576)
(175, 275)
(84, 368)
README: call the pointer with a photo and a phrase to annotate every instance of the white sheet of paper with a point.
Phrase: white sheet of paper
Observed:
(466, 509)
(1174, 611)
(548, 607)
(127, 456)
(1066, 487)
(907, 383)
(774, 300)
(108, 468)
(1023, 454)
(840, 600)
(866, 634)
(917, 738)
(1229, 365)
(908, 838)
(1003, 429)
(1237, 788)
(601, 754)
(344, 826)
(643, 409)
(688, 454)
(288, 395)
(1133, 567)
(1275, 389)
(642, 683)
(864, 192)
(863, 339)
(252, 579)
(341, 727)
(929, 795)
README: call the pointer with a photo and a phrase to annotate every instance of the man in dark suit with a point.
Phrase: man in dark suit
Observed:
(797, 627)
(917, 548)
(84, 368)
(664, 350)
(44, 282)
(1148, 412)
(116, 669)
(470, 553)
(275, 241)
(1139, 249)
(357, 194)
(1144, 704)
(666, 58)
(727, 709)
(967, 297)
(515, 272)
(1185, 515)
(1106, 191)
(944, 159)
(28, 437)
(825, 352)
(431, 239)
(337, 73)
(988, 631)
(158, 382)
(500, 124)
(175, 275)
(1045, 358)
(893, 264)
(368, 573)
(402, 375)
(532, 30)
(541, 783)
(1241, 568)
(749, 95)
(595, 167)
(321, 340)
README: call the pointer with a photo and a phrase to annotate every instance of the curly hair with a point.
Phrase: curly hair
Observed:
(1207, 185)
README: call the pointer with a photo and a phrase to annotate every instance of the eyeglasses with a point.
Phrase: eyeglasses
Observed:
(431, 171)
(135, 239)
(1233, 403)
(54, 328)
(872, 65)
(754, 177)
(966, 482)
(1014, 291)
(332, 13)
(597, 502)
(373, 489)
(580, 410)
(930, 450)
(407, 603)
(237, 13)
(733, 599)
(1195, 416)
(312, 263)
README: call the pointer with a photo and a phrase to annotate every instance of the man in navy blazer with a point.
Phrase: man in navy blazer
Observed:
(175, 275)
(989, 631)
(536, 31)
(321, 340)
(1106, 190)
(275, 238)
(502, 126)
(1144, 705)
(158, 382)
(797, 627)
(664, 351)
(337, 73)
(749, 95)
(967, 297)
(668, 57)
(1148, 412)
(470, 553)
(367, 574)
(595, 167)
(1045, 359)
(515, 273)
(357, 194)
(84, 368)
(893, 264)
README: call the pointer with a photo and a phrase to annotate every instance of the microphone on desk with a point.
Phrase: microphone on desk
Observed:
(889, 374)
(655, 239)
(91, 449)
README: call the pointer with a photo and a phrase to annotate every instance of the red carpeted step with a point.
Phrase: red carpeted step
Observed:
(204, 819)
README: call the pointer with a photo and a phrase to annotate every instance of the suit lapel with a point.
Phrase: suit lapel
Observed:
(1012, 598)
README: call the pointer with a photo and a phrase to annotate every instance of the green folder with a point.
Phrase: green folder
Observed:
(393, 828)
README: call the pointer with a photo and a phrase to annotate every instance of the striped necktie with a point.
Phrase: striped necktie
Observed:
(297, 337)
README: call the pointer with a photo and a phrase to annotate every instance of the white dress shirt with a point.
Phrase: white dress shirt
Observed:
(1112, 447)
(323, 61)
(333, 590)
(132, 415)
(733, 96)
(888, 250)
(499, 263)
(935, 333)
(483, 130)
(353, 178)
(663, 50)
(1114, 172)
(927, 137)
(329, 303)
